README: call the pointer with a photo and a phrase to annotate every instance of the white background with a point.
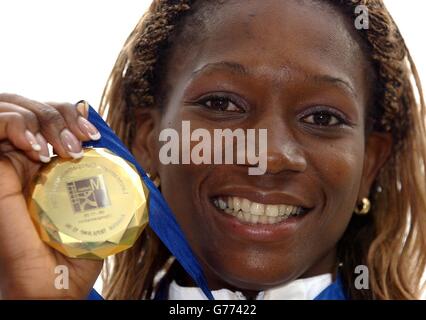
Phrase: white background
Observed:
(64, 50)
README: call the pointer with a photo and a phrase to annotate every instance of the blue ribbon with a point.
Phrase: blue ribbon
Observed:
(335, 291)
(161, 219)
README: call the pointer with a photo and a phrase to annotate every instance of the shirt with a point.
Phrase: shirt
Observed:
(299, 289)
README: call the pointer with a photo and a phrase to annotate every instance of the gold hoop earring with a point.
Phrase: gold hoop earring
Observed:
(364, 207)
(156, 180)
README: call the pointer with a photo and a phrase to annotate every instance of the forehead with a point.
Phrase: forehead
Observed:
(275, 40)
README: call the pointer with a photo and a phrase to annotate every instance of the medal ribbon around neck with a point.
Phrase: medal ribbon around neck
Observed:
(161, 219)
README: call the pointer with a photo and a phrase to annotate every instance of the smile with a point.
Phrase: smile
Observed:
(249, 212)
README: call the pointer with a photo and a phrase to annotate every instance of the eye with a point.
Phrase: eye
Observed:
(220, 103)
(324, 118)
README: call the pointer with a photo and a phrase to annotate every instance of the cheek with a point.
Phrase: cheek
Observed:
(339, 170)
(180, 186)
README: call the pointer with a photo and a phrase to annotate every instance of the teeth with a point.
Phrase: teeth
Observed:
(222, 204)
(253, 212)
(230, 203)
(257, 208)
(245, 205)
(229, 211)
(272, 210)
(271, 220)
(237, 204)
(263, 219)
(216, 203)
(254, 219)
(287, 210)
(294, 211)
(246, 216)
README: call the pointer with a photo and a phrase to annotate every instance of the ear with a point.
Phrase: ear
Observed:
(144, 146)
(377, 151)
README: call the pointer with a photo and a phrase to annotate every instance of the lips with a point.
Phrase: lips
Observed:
(243, 212)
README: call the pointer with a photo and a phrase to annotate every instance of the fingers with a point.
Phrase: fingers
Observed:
(44, 154)
(76, 120)
(53, 127)
(13, 128)
(21, 128)
(60, 124)
(21, 123)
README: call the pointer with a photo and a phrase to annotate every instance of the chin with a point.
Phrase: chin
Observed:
(251, 273)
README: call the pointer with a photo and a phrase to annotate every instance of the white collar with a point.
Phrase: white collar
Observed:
(299, 289)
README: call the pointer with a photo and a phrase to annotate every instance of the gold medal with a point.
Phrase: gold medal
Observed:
(89, 208)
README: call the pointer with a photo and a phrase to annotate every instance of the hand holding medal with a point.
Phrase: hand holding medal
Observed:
(87, 208)
(91, 207)
(28, 266)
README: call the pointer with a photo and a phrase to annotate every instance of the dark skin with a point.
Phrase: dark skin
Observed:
(298, 63)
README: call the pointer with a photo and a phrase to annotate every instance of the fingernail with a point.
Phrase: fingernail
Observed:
(71, 144)
(44, 149)
(88, 128)
(83, 108)
(32, 140)
(44, 159)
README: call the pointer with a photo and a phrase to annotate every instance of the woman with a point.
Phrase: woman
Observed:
(346, 151)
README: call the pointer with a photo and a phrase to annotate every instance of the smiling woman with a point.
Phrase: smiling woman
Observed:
(343, 185)
(342, 125)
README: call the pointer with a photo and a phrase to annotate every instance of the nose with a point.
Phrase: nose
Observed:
(283, 152)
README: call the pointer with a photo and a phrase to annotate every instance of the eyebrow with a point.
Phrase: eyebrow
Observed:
(241, 70)
(334, 81)
(233, 67)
